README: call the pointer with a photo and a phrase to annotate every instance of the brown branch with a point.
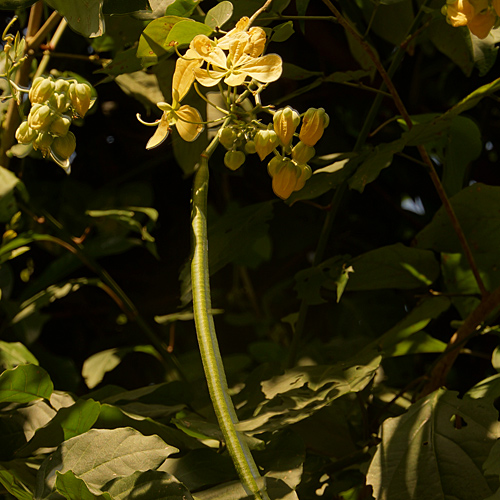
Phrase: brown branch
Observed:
(437, 377)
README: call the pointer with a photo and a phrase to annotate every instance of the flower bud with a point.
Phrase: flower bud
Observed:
(286, 178)
(81, 97)
(313, 125)
(40, 117)
(41, 90)
(234, 159)
(250, 147)
(61, 86)
(256, 42)
(265, 142)
(64, 147)
(305, 173)
(286, 121)
(227, 136)
(59, 102)
(276, 164)
(60, 125)
(301, 153)
(43, 142)
(25, 134)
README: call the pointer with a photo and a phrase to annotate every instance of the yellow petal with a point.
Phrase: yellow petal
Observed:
(188, 123)
(235, 79)
(264, 69)
(183, 77)
(256, 42)
(481, 24)
(208, 78)
(161, 133)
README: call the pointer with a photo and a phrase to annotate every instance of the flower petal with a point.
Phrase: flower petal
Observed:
(264, 69)
(188, 123)
(161, 133)
(208, 78)
(183, 77)
(235, 79)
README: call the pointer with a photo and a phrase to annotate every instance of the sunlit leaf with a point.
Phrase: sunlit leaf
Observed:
(10, 185)
(25, 383)
(74, 488)
(219, 15)
(13, 354)
(101, 455)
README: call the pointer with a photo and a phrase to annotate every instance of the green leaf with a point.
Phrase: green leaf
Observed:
(96, 366)
(424, 453)
(15, 4)
(282, 32)
(374, 163)
(149, 485)
(13, 354)
(100, 455)
(69, 422)
(333, 274)
(84, 16)
(111, 7)
(219, 15)
(10, 185)
(13, 485)
(295, 72)
(302, 391)
(489, 388)
(25, 383)
(182, 8)
(125, 61)
(74, 488)
(393, 266)
(393, 20)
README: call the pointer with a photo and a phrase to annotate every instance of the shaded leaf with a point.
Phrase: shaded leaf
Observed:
(74, 488)
(393, 266)
(12, 485)
(282, 32)
(182, 8)
(424, 453)
(84, 16)
(10, 185)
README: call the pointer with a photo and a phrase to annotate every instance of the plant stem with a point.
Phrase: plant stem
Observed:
(207, 338)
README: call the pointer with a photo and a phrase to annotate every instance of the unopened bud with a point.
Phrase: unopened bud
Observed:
(227, 136)
(265, 142)
(286, 178)
(60, 125)
(305, 173)
(301, 153)
(250, 147)
(40, 117)
(80, 95)
(234, 159)
(41, 90)
(25, 134)
(313, 125)
(286, 121)
(43, 142)
(64, 147)
(276, 164)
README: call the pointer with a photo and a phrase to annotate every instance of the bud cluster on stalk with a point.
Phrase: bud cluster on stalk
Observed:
(55, 103)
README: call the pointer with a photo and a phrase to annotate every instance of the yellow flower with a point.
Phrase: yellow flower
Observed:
(313, 125)
(238, 64)
(496, 6)
(476, 15)
(186, 119)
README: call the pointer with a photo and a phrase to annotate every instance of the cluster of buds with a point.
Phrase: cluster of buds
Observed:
(479, 16)
(290, 170)
(54, 105)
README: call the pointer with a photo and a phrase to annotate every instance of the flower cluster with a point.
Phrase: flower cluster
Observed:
(479, 16)
(236, 59)
(54, 105)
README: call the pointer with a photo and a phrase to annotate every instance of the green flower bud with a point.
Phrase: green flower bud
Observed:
(286, 178)
(40, 117)
(25, 134)
(265, 142)
(41, 90)
(60, 125)
(250, 147)
(61, 86)
(43, 142)
(64, 147)
(234, 159)
(227, 137)
(59, 102)
(313, 125)
(276, 164)
(301, 153)
(286, 121)
(80, 95)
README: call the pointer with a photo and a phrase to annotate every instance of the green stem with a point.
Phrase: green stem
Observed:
(207, 338)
